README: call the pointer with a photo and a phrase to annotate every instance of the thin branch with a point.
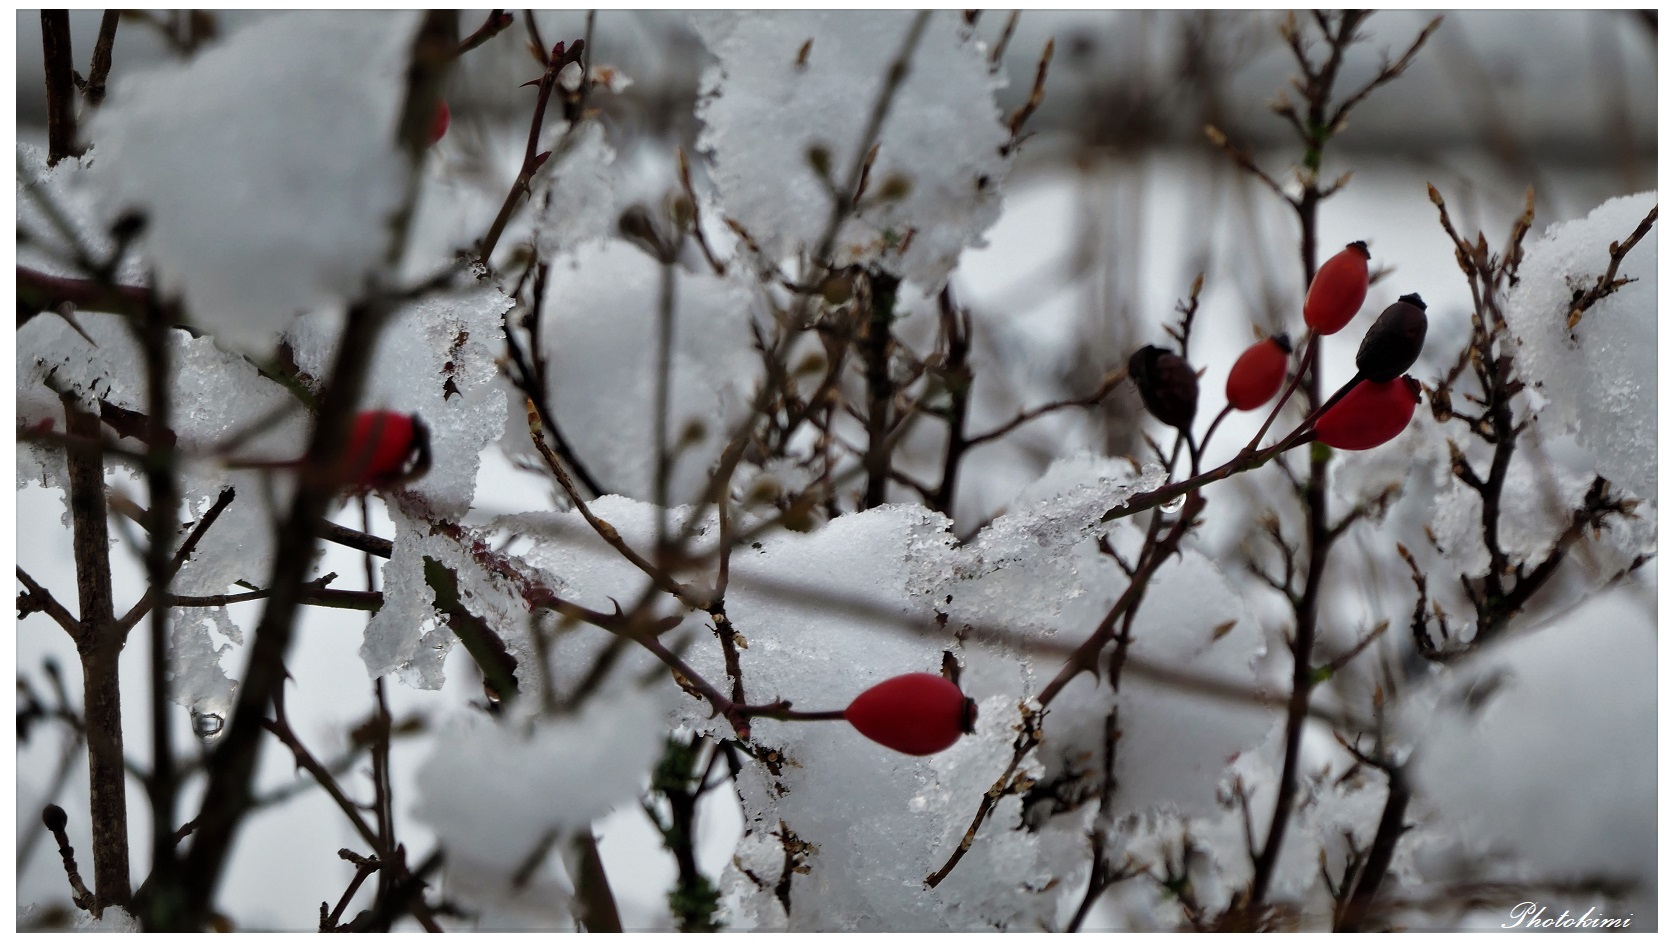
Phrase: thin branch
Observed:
(55, 820)
(187, 548)
(1111, 381)
(99, 68)
(1607, 283)
(38, 599)
(1387, 74)
(559, 58)
(496, 23)
(60, 86)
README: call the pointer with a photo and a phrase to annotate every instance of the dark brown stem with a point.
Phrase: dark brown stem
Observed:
(1391, 826)
(100, 647)
(161, 567)
(957, 377)
(99, 69)
(55, 820)
(170, 566)
(496, 23)
(60, 86)
(532, 161)
(38, 599)
(880, 390)
(592, 890)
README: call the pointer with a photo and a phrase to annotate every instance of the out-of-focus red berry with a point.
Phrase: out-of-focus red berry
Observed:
(1369, 414)
(439, 123)
(385, 448)
(917, 714)
(1257, 375)
(1338, 290)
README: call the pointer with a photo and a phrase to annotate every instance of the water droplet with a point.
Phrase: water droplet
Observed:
(1173, 506)
(208, 726)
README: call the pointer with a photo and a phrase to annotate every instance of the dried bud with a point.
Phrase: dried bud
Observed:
(1395, 340)
(895, 187)
(1167, 384)
(819, 157)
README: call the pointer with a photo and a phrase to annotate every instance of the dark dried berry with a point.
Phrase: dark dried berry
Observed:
(1396, 339)
(1167, 385)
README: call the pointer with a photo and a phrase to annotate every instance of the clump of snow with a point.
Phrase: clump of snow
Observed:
(53, 199)
(493, 790)
(408, 635)
(577, 202)
(1176, 742)
(1545, 744)
(600, 337)
(1599, 379)
(267, 165)
(1019, 571)
(764, 112)
(114, 919)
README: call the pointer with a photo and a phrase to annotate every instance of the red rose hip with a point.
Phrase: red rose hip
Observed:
(917, 714)
(1260, 371)
(1338, 290)
(385, 448)
(1368, 415)
(439, 123)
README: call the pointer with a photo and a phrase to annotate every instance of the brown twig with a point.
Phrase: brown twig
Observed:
(1608, 283)
(55, 820)
(1109, 384)
(99, 646)
(1036, 95)
(60, 88)
(160, 587)
(532, 161)
(99, 68)
(36, 598)
(493, 26)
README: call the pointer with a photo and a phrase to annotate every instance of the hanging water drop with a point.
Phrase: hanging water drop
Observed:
(1173, 506)
(208, 726)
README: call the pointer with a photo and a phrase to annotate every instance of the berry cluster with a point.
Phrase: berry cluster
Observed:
(1369, 410)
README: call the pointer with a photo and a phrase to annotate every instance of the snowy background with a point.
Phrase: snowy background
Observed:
(1090, 234)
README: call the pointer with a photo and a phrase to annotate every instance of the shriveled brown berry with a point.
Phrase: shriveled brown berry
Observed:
(1396, 339)
(1167, 385)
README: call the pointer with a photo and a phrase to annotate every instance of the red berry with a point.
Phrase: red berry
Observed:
(385, 448)
(1368, 415)
(1338, 290)
(917, 714)
(1260, 371)
(439, 123)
